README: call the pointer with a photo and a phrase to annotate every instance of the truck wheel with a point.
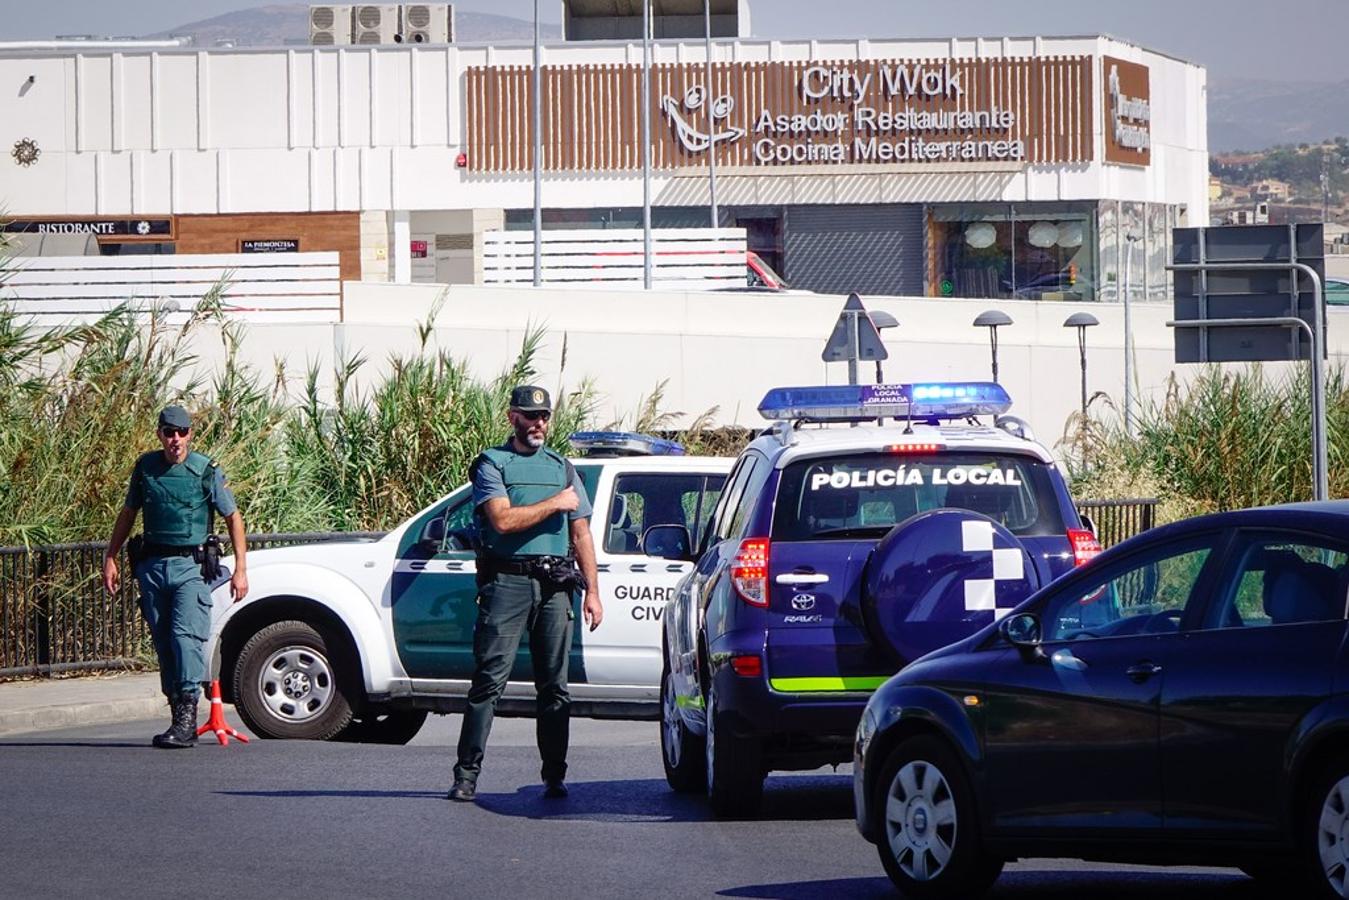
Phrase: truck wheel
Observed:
(384, 726)
(287, 684)
(734, 767)
(682, 751)
(927, 827)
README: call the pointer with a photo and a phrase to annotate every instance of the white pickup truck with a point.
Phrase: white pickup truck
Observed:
(360, 640)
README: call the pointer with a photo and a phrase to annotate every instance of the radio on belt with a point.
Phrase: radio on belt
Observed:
(860, 402)
(623, 443)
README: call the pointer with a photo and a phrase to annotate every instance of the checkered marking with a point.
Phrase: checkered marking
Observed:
(1007, 563)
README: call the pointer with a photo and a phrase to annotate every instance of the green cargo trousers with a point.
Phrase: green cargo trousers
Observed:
(176, 605)
(508, 606)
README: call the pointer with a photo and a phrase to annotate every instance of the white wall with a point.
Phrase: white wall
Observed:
(378, 128)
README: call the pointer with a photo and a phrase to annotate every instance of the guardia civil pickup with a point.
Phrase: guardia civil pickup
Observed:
(835, 556)
(362, 639)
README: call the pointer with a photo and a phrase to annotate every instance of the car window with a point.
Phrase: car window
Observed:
(1279, 581)
(745, 505)
(870, 492)
(1146, 596)
(721, 526)
(641, 500)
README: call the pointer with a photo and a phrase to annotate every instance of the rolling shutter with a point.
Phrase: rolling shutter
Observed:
(869, 249)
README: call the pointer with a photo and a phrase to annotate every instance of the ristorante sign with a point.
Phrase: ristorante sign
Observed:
(1128, 112)
(785, 114)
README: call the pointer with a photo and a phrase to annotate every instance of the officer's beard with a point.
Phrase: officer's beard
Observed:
(525, 434)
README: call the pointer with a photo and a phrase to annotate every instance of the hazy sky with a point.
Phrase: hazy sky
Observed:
(1289, 40)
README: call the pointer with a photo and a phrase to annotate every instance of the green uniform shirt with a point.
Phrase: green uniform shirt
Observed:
(174, 497)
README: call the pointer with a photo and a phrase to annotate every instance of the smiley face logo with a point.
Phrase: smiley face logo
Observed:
(719, 110)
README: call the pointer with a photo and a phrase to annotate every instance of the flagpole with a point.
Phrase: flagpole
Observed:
(711, 124)
(646, 144)
(538, 154)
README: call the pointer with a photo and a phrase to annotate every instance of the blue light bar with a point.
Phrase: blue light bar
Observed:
(858, 402)
(623, 443)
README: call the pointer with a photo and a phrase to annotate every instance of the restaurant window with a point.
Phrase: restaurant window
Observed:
(1021, 251)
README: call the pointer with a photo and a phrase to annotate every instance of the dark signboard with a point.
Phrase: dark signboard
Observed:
(96, 227)
(270, 245)
(1245, 293)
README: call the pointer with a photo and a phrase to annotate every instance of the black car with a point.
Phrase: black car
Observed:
(1183, 699)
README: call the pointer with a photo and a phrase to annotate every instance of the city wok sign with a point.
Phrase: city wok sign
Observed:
(1012, 111)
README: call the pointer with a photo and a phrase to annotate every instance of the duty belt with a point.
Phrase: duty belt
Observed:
(161, 550)
(535, 566)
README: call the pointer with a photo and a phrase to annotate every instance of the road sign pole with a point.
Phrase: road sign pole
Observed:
(854, 341)
(1316, 338)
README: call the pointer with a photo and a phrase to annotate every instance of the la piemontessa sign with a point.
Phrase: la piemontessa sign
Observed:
(1009, 111)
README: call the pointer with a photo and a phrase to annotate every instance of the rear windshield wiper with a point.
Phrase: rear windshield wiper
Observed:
(854, 531)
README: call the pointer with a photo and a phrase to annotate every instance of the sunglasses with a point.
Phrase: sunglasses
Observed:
(170, 431)
(543, 414)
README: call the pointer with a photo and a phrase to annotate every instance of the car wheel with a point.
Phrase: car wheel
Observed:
(1326, 830)
(734, 767)
(928, 828)
(388, 726)
(682, 750)
(287, 684)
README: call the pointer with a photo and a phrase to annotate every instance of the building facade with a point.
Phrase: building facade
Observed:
(1036, 168)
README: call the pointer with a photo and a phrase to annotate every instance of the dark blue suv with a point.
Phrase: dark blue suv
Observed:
(869, 526)
(1184, 699)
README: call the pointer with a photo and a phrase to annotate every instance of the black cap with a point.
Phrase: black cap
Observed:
(174, 417)
(528, 398)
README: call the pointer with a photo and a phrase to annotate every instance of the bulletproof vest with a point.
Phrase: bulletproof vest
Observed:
(528, 480)
(177, 506)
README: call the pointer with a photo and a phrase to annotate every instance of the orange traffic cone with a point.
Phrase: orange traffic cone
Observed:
(216, 722)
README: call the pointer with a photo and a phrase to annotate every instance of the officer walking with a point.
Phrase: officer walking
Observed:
(533, 513)
(179, 491)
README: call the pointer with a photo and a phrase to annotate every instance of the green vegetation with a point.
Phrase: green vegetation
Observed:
(1229, 439)
(1300, 166)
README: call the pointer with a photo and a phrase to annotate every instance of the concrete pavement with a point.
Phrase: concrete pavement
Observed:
(48, 703)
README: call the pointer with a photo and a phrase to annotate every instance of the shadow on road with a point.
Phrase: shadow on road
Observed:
(798, 798)
(376, 795)
(1126, 884)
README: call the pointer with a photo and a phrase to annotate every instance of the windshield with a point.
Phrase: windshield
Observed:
(769, 278)
(864, 495)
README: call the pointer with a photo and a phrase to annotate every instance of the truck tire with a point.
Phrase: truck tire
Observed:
(289, 683)
(734, 767)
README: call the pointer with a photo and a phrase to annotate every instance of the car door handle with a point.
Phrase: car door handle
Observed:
(802, 578)
(1065, 659)
(1143, 671)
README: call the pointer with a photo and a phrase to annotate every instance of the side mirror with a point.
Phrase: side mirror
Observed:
(433, 536)
(667, 542)
(1022, 631)
(1090, 524)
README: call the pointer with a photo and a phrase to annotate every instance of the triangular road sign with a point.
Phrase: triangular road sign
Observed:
(839, 347)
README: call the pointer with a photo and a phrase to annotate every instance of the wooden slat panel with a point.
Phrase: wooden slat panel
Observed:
(174, 289)
(123, 276)
(97, 306)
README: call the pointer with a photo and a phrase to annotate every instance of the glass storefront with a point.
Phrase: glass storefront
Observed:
(1032, 251)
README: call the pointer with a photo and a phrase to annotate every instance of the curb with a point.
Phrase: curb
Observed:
(49, 718)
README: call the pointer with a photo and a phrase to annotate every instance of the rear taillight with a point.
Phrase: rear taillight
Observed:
(749, 571)
(1085, 546)
(915, 448)
(748, 666)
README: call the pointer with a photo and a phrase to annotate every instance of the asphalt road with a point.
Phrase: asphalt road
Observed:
(97, 812)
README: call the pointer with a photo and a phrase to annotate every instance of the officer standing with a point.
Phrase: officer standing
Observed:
(532, 511)
(179, 491)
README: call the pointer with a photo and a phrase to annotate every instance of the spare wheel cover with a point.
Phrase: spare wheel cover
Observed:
(940, 576)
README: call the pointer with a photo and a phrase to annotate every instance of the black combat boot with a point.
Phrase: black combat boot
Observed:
(163, 736)
(184, 731)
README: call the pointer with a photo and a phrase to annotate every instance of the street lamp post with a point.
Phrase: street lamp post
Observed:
(882, 320)
(1082, 321)
(1130, 238)
(993, 319)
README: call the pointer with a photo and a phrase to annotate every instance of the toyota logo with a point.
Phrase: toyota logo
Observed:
(803, 602)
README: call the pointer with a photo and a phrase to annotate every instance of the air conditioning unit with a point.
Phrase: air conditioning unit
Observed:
(329, 25)
(375, 24)
(428, 23)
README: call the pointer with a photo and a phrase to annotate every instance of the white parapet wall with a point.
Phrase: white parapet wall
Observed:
(725, 350)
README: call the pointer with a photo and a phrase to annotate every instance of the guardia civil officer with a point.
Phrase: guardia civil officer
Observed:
(533, 514)
(178, 490)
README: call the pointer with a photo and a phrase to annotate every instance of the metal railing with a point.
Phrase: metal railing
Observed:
(55, 616)
(1117, 520)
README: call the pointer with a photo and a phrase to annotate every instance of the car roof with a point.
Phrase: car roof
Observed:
(658, 463)
(1325, 515)
(809, 441)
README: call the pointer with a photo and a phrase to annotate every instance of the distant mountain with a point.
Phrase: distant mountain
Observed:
(269, 26)
(1256, 115)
